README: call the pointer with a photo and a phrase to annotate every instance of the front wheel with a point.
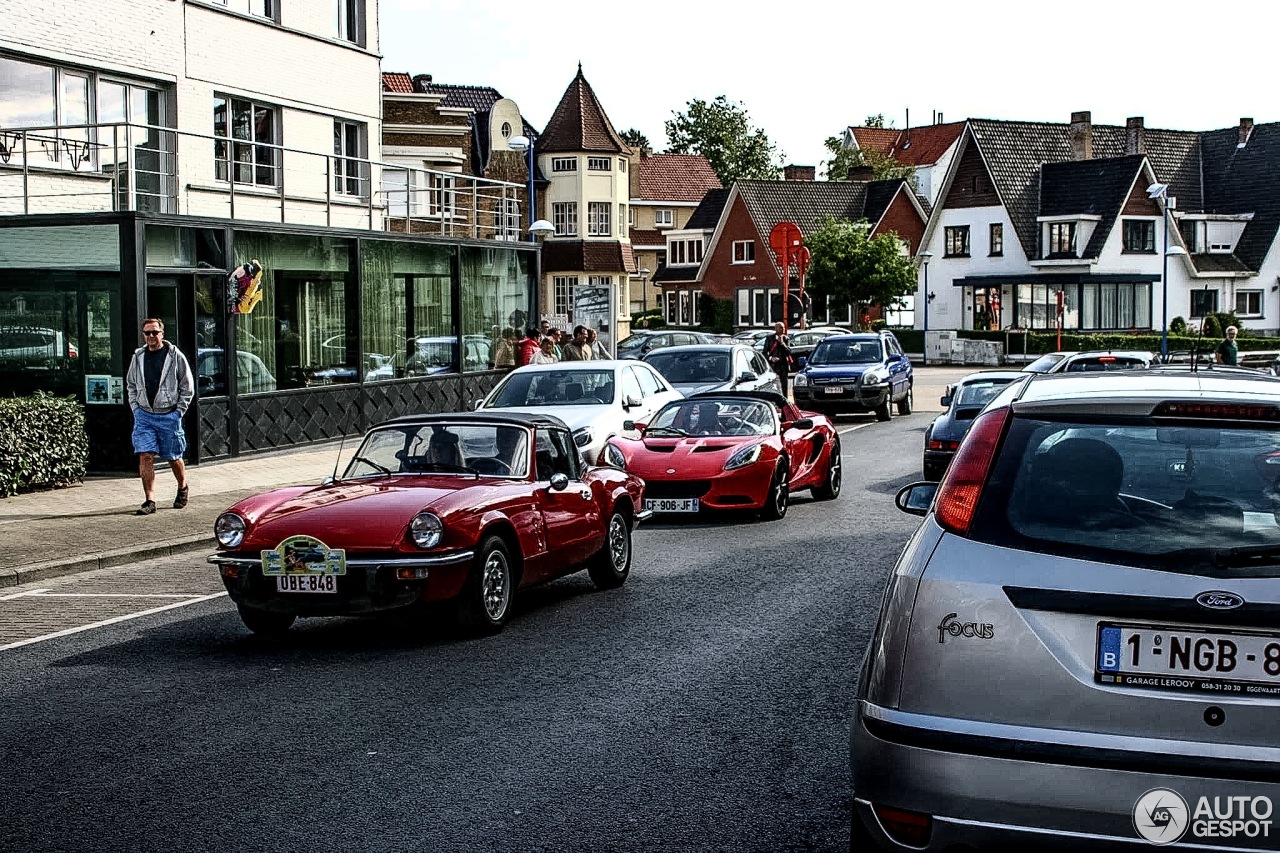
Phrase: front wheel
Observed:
(904, 405)
(265, 622)
(884, 412)
(610, 566)
(485, 602)
(779, 496)
(830, 490)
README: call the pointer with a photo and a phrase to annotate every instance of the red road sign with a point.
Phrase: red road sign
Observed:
(784, 239)
(801, 259)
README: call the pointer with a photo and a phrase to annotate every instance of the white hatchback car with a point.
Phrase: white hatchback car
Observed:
(592, 397)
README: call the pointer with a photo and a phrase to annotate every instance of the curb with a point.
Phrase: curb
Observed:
(105, 560)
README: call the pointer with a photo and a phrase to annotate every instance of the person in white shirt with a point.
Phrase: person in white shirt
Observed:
(546, 353)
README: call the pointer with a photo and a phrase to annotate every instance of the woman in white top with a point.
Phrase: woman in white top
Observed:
(546, 353)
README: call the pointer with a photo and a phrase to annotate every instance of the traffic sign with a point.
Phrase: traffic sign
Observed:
(784, 239)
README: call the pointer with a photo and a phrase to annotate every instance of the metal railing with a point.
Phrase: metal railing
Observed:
(122, 166)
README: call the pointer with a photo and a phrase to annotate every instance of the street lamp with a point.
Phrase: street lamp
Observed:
(925, 257)
(522, 144)
(644, 289)
(1161, 191)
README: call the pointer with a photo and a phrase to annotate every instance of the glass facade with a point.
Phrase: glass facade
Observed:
(495, 295)
(1104, 305)
(407, 317)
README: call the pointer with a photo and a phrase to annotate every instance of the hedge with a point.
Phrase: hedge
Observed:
(43, 443)
(1038, 343)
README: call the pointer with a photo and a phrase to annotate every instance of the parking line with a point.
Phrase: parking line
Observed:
(855, 426)
(22, 594)
(117, 594)
(111, 621)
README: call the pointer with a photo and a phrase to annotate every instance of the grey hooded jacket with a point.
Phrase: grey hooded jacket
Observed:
(177, 387)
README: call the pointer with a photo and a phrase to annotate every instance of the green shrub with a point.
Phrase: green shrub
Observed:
(716, 314)
(1210, 327)
(1178, 326)
(651, 319)
(1229, 318)
(43, 443)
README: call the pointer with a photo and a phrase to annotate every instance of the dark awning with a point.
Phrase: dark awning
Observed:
(1055, 278)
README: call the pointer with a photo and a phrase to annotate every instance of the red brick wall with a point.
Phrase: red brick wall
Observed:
(723, 277)
(902, 219)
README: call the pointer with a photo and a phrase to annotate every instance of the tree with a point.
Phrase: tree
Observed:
(850, 268)
(883, 166)
(636, 140)
(721, 131)
(876, 120)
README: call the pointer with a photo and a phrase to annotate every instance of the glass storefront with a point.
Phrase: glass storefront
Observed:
(496, 295)
(1085, 306)
(407, 310)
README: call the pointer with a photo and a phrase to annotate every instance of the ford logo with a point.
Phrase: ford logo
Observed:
(1216, 600)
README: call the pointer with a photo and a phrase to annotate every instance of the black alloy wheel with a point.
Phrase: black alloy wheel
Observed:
(904, 405)
(830, 490)
(779, 496)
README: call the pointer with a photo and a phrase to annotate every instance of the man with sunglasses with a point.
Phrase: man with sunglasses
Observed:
(161, 388)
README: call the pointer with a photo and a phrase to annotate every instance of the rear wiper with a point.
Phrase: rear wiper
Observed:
(671, 430)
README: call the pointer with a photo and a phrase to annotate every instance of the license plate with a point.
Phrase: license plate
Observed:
(307, 583)
(833, 389)
(672, 504)
(1241, 662)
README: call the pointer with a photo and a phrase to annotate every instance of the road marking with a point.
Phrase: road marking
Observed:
(43, 594)
(855, 426)
(111, 621)
(22, 594)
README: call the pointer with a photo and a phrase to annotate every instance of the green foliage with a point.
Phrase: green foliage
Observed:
(1178, 326)
(852, 269)
(883, 166)
(652, 319)
(1038, 343)
(716, 314)
(43, 443)
(1212, 327)
(721, 131)
(876, 120)
(636, 139)
(1229, 318)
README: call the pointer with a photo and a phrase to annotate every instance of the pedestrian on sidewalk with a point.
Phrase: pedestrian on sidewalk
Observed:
(777, 348)
(594, 346)
(161, 388)
(577, 349)
(546, 353)
(527, 346)
(1228, 352)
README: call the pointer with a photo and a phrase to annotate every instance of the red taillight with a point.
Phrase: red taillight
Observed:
(1231, 411)
(962, 486)
(910, 828)
(934, 444)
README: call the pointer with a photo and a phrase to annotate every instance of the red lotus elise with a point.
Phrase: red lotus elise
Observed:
(468, 508)
(731, 450)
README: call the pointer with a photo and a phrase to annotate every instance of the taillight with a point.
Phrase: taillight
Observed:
(910, 828)
(934, 444)
(961, 487)
(1214, 411)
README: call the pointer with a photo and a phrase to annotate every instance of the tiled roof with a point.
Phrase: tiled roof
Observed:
(1244, 180)
(879, 196)
(675, 177)
(397, 81)
(589, 257)
(672, 275)
(1098, 187)
(478, 98)
(579, 123)
(647, 237)
(876, 138)
(1218, 263)
(917, 146)
(707, 214)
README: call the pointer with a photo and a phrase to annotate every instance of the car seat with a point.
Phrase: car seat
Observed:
(1077, 482)
(573, 390)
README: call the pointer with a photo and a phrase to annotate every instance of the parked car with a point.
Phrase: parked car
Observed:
(468, 508)
(714, 367)
(963, 401)
(640, 344)
(1078, 648)
(865, 372)
(803, 342)
(252, 374)
(594, 398)
(752, 336)
(34, 345)
(433, 355)
(1091, 362)
(731, 450)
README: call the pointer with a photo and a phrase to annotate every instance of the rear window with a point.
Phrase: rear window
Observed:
(1200, 499)
(1044, 363)
(1097, 364)
(975, 395)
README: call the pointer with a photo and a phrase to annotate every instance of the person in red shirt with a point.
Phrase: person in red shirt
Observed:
(527, 347)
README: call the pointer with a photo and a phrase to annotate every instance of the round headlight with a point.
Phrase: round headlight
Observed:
(801, 379)
(426, 530)
(229, 530)
(613, 457)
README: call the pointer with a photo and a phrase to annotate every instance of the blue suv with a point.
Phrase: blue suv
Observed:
(856, 373)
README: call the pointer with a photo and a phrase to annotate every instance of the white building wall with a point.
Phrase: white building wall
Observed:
(948, 309)
(142, 37)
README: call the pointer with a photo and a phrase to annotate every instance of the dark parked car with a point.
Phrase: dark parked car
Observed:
(1091, 362)
(641, 343)
(856, 373)
(964, 400)
(714, 367)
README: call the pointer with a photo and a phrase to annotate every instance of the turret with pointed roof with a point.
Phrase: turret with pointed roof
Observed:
(579, 123)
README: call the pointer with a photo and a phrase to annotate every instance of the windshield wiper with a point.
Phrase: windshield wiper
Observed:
(670, 430)
(381, 468)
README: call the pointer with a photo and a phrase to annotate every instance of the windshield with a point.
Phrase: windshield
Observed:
(975, 395)
(714, 417)
(555, 388)
(1183, 498)
(458, 448)
(846, 352)
(1097, 363)
(691, 367)
(430, 353)
(633, 342)
(1044, 363)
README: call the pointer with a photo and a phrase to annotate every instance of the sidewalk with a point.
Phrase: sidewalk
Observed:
(93, 526)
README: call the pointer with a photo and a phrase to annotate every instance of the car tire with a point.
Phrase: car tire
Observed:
(485, 602)
(830, 489)
(779, 496)
(884, 412)
(265, 622)
(904, 405)
(610, 566)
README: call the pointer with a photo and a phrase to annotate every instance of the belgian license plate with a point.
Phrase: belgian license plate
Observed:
(307, 583)
(672, 504)
(1227, 661)
(833, 389)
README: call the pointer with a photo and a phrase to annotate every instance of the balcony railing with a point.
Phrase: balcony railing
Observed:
(138, 167)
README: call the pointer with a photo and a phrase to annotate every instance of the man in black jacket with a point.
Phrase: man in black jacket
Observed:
(777, 349)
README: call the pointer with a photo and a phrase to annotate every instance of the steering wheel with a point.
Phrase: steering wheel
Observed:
(489, 466)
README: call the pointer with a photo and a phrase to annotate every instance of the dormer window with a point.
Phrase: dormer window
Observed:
(1062, 239)
(1140, 236)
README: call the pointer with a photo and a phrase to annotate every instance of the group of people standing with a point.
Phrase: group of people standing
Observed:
(545, 345)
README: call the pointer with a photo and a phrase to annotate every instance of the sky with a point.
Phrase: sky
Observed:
(805, 70)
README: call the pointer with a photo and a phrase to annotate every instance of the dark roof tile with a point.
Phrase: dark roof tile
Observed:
(707, 214)
(589, 257)
(579, 123)
(1097, 187)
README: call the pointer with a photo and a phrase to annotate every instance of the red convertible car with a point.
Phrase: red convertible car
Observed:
(469, 508)
(730, 450)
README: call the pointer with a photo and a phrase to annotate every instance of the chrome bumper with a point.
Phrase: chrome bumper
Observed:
(430, 562)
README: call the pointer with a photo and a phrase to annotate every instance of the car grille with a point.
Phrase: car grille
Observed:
(676, 488)
(835, 380)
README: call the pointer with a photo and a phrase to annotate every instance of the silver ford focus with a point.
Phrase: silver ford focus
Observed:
(1079, 648)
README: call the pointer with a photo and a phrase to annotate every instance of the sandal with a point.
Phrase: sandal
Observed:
(181, 500)
(147, 508)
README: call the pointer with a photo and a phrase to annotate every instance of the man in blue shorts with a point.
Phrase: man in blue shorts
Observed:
(160, 389)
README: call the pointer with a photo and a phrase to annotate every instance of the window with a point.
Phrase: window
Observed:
(997, 239)
(684, 252)
(696, 298)
(245, 132)
(599, 164)
(673, 301)
(598, 219)
(350, 20)
(957, 238)
(1204, 302)
(1062, 239)
(685, 317)
(600, 280)
(1140, 235)
(506, 130)
(1190, 229)
(744, 251)
(662, 219)
(564, 164)
(441, 195)
(564, 215)
(348, 149)
(562, 293)
(623, 215)
(1249, 303)
(755, 306)
(622, 164)
(631, 216)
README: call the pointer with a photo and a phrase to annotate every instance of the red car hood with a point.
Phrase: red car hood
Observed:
(695, 456)
(369, 515)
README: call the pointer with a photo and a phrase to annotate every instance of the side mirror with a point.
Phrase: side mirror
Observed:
(559, 482)
(802, 423)
(945, 400)
(628, 425)
(747, 376)
(802, 362)
(894, 359)
(328, 481)
(916, 498)
(630, 401)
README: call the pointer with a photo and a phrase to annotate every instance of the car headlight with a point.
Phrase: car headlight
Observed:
(744, 457)
(426, 530)
(582, 436)
(800, 380)
(229, 530)
(613, 457)
(874, 377)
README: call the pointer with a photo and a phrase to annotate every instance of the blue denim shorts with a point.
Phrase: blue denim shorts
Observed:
(159, 434)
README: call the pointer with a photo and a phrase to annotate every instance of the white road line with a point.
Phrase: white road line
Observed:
(855, 426)
(22, 594)
(111, 621)
(42, 594)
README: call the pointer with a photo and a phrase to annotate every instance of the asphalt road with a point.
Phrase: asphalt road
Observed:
(704, 706)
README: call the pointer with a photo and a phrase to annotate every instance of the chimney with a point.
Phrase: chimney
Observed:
(421, 81)
(1081, 135)
(1134, 133)
(799, 173)
(861, 174)
(1246, 128)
